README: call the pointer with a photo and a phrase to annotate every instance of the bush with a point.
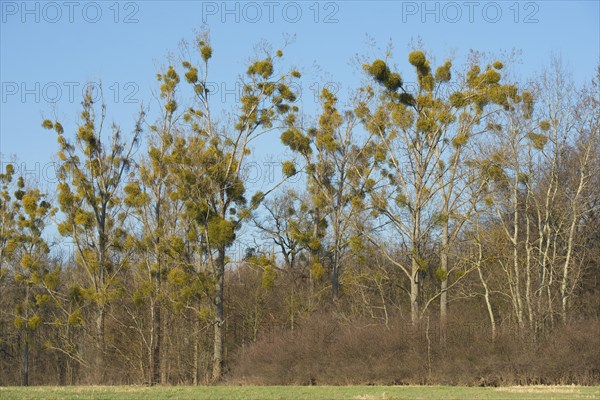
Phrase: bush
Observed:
(323, 351)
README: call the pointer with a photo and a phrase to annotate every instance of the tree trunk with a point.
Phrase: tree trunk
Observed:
(415, 267)
(444, 284)
(488, 303)
(26, 340)
(218, 349)
(101, 296)
(335, 285)
(100, 343)
(414, 292)
(156, 339)
(26, 359)
(564, 293)
(335, 271)
(517, 301)
(196, 336)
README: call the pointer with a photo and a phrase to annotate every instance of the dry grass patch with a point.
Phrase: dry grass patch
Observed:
(557, 389)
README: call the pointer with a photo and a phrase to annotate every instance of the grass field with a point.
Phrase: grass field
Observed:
(300, 392)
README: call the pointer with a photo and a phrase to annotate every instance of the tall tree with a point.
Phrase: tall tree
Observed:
(91, 177)
(157, 240)
(539, 163)
(423, 133)
(209, 161)
(33, 267)
(8, 214)
(338, 165)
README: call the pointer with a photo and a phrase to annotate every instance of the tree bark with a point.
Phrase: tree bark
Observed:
(335, 271)
(26, 359)
(218, 348)
(100, 345)
(155, 374)
(414, 292)
(444, 284)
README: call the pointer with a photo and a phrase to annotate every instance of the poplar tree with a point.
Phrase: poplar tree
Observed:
(423, 132)
(91, 176)
(33, 270)
(157, 239)
(338, 165)
(208, 162)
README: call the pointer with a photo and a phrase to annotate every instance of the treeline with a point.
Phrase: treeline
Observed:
(438, 236)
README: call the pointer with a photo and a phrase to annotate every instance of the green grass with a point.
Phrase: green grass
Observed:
(299, 392)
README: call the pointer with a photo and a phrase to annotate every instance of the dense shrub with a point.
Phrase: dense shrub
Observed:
(326, 352)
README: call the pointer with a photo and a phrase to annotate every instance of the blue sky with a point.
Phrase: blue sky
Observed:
(49, 51)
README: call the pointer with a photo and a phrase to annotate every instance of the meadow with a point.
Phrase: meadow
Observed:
(299, 392)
